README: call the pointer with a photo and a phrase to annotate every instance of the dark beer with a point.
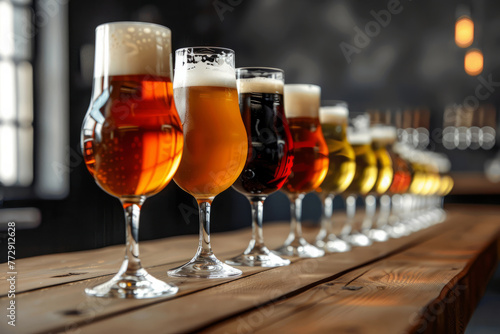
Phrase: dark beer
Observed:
(270, 155)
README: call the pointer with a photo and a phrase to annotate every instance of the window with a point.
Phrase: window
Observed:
(16, 95)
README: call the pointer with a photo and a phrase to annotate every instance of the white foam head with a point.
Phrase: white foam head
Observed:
(260, 85)
(383, 133)
(333, 114)
(302, 100)
(127, 48)
(355, 137)
(204, 66)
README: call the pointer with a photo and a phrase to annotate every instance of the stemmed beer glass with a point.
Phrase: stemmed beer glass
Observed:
(310, 163)
(333, 117)
(365, 176)
(270, 154)
(215, 142)
(132, 137)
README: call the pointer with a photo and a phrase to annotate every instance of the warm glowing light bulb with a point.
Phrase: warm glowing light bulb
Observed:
(473, 62)
(464, 32)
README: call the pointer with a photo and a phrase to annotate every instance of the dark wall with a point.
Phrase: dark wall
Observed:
(413, 61)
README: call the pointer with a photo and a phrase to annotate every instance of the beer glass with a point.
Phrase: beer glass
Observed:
(270, 154)
(341, 168)
(365, 176)
(215, 142)
(310, 163)
(383, 137)
(132, 137)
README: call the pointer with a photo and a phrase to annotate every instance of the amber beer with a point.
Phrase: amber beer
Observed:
(341, 156)
(215, 142)
(366, 164)
(310, 163)
(402, 171)
(132, 135)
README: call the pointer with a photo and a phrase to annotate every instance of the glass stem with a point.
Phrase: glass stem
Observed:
(257, 218)
(385, 210)
(370, 208)
(204, 247)
(326, 221)
(350, 211)
(132, 215)
(296, 215)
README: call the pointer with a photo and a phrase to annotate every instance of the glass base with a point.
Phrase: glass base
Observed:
(138, 286)
(299, 247)
(205, 267)
(358, 239)
(332, 244)
(377, 234)
(258, 257)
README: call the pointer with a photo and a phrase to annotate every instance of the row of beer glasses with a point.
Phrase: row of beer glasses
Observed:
(270, 137)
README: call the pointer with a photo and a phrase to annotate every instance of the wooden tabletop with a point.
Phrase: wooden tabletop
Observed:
(428, 282)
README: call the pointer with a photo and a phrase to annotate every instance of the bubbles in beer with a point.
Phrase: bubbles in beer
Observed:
(204, 68)
(302, 100)
(260, 85)
(126, 48)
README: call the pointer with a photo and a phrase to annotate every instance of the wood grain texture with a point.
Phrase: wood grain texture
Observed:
(426, 282)
(417, 290)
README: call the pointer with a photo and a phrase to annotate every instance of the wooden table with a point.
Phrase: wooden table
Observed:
(428, 282)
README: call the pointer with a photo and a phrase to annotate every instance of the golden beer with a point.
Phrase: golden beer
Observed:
(215, 139)
(341, 156)
(366, 170)
(383, 137)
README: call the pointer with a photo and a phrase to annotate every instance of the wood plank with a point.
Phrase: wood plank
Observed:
(195, 310)
(48, 270)
(413, 290)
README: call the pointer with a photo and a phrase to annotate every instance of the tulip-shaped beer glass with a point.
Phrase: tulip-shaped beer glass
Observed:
(132, 136)
(310, 162)
(215, 142)
(333, 117)
(270, 154)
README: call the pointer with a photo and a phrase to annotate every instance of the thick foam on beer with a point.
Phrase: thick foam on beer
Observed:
(260, 85)
(302, 100)
(203, 69)
(358, 137)
(333, 114)
(126, 48)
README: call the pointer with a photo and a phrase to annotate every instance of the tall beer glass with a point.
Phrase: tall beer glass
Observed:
(215, 142)
(342, 166)
(310, 163)
(270, 154)
(132, 136)
(365, 176)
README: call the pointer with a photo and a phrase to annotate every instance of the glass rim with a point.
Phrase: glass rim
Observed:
(132, 23)
(262, 68)
(329, 103)
(228, 50)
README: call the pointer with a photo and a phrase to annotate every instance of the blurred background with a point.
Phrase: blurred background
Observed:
(434, 65)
